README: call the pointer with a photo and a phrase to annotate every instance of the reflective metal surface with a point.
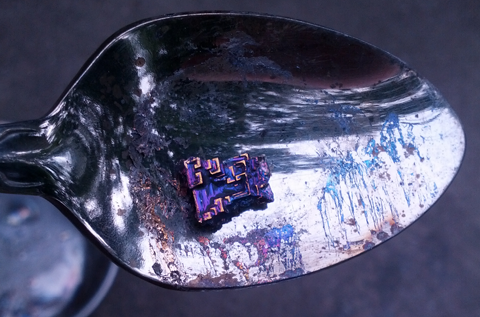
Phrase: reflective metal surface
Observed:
(361, 146)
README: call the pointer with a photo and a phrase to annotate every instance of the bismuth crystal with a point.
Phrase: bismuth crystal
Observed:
(228, 187)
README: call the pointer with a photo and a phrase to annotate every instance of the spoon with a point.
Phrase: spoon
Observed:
(219, 150)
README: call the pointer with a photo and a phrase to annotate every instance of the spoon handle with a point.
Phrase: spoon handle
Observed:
(23, 149)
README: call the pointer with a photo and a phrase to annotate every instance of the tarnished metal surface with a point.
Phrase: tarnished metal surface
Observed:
(360, 145)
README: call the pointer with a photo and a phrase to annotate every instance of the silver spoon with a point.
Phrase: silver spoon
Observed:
(217, 150)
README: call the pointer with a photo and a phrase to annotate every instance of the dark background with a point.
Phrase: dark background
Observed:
(432, 269)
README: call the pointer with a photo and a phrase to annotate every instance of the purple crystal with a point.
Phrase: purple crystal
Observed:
(228, 187)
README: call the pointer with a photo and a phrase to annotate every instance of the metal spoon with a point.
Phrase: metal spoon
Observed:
(355, 146)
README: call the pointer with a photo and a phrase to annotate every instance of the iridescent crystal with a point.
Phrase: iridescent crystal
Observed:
(231, 186)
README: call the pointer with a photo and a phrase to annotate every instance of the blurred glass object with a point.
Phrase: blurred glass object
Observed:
(47, 267)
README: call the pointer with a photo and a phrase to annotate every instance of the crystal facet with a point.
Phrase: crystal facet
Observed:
(230, 186)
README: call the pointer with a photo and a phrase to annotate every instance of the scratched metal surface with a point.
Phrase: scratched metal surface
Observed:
(360, 145)
(352, 166)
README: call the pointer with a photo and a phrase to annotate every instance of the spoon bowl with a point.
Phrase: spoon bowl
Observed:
(357, 147)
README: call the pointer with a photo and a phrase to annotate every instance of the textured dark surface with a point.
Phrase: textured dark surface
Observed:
(432, 269)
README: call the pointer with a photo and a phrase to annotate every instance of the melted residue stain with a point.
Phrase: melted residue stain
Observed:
(277, 253)
(344, 115)
(367, 181)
